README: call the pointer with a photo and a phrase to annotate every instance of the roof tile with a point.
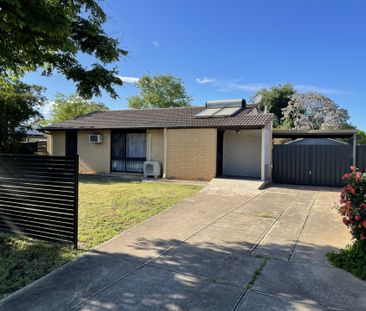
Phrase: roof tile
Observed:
(162, 118)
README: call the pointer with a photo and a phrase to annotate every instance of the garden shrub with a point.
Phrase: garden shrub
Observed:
(353, 210)
(351, 259)
(353, 203)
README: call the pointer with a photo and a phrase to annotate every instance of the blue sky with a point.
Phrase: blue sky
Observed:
(230, 49)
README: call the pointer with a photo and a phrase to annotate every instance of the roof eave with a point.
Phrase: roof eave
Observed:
(345, 133)
(237, 126)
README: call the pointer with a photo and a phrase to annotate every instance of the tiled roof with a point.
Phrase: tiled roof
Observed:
(161, 118)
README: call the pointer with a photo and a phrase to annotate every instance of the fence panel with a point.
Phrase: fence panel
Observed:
(361, 157)
(39, 148)
(39, 196)
(320, 165)
(290, 165)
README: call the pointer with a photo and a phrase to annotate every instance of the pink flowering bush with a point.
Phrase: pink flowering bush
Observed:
(353, 210)
(353, 203)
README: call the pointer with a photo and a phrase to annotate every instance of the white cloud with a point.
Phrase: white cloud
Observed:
(230, 85)
(205, 80)
(238, 85)
(156, 44)
(46, 109)
(130, 80)
(313, 88)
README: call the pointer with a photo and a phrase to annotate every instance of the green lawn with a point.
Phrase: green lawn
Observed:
(106, 208)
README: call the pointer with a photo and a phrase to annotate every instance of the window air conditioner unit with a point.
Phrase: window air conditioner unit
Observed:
(95, 139)
(152, 168)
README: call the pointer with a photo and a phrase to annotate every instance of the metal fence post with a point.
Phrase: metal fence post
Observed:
(354, 149)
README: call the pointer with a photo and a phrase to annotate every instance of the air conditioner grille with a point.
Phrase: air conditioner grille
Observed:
(152, 169)
(149, 168)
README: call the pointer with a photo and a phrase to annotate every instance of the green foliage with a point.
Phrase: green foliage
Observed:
(67, 108)
(18, 110)
(351, 259)
(273, 100)
(353, 211)
(361, 137)
(160, 91)
(50, 34)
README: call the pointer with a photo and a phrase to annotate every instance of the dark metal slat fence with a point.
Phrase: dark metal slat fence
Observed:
(361, 157)
(39, 196)
(311, 164)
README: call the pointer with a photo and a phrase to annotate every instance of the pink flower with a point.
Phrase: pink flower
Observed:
(346, 206)
(358, 176)
(358, 217)
(362, 237)
(352, 167)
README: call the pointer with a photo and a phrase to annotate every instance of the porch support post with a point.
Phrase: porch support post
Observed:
(165, 152)
(148, 146)
(354, 149)
(263, 164)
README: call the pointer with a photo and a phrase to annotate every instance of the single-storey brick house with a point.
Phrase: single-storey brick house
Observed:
(224, 138)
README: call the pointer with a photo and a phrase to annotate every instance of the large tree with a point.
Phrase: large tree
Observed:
(160, 91)
(19, 104)
(361, 137)
(50, 34)
(273, 100)
(313, 111)
(70, 107)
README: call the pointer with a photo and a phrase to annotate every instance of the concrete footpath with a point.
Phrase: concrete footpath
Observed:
(228, 247)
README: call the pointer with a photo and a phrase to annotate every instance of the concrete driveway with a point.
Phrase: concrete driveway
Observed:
(229, 247)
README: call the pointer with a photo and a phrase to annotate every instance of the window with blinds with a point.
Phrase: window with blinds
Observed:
(128, 151)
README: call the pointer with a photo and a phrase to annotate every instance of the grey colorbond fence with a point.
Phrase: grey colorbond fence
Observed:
(320, 165)
(361, 157)
(39, 196)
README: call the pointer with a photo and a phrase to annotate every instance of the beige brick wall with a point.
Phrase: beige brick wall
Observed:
(191, 153)
(56, 143)
(94, 158)
(156, 145)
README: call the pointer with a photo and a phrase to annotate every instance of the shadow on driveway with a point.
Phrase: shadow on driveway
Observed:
(190, 277)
